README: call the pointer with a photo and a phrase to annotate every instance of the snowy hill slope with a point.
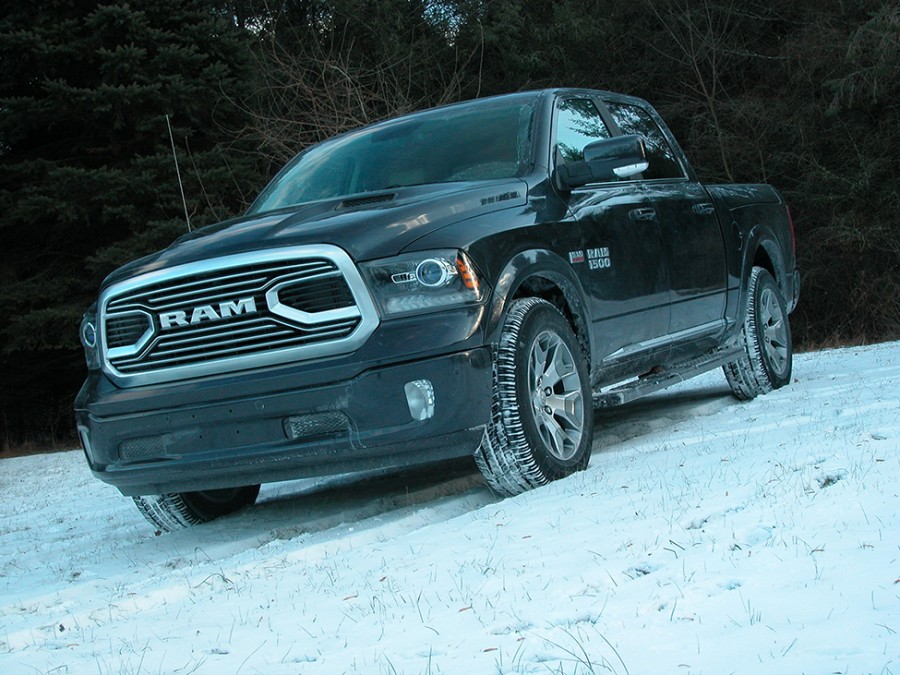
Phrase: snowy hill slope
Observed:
(707, 536)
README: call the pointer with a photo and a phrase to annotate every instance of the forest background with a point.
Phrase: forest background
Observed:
(802, 94)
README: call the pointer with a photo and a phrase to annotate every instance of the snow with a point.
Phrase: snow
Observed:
(707, 536)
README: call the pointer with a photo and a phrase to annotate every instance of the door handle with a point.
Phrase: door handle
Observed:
(705, 209)
(642, 214)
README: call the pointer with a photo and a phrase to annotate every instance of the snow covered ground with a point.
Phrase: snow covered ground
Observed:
(707, 536)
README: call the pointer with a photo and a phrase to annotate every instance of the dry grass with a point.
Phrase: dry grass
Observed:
(27, 448)
(835, 342)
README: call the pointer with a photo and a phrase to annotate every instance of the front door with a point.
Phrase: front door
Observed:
(623, 249)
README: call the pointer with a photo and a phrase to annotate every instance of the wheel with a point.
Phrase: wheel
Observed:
(175, 511)
(541, 425)
(766, 338)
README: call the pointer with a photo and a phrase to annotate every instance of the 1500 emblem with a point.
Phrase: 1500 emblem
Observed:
(597, 258)
(202, 313)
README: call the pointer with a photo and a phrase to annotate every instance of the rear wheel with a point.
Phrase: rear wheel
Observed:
(766, 338)
(178, 510)
(541, 424)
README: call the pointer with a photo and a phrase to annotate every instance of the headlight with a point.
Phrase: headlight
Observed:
(89, 339)
(422, 282)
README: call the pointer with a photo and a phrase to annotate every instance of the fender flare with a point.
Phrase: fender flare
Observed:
(763, 238)
(532, 265)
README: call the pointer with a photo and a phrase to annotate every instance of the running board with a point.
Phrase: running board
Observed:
(618, 394)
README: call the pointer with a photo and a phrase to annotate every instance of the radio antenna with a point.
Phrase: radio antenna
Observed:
(178, 173)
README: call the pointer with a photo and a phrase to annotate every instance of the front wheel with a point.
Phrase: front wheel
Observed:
(766, 338)
(170, 512)
(541, 426)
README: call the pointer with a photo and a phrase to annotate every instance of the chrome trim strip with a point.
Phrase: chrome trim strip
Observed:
(364, 310)
(665, 340)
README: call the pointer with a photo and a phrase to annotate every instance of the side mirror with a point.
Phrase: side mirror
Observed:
(605, 160)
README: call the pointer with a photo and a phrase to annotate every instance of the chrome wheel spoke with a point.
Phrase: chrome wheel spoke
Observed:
(774, 330)
(559, 439)
(537, 364)
(556, 396)
(552, 373)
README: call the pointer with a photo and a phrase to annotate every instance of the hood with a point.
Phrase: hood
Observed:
(367, 226)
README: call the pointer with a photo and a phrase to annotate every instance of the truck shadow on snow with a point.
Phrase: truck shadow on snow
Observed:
(449, 489)
(657, 412)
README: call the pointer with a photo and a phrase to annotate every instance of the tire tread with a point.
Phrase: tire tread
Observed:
(505, 457)
(177, 510)
(748, 377)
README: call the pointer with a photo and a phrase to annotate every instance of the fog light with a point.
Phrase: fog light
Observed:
(420, 398)
(88, 334)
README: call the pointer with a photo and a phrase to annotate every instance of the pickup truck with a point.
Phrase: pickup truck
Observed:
(470, 280)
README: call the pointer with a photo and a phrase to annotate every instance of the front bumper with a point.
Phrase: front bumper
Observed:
(356, 424)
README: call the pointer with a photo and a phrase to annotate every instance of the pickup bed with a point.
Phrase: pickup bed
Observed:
(468, 280)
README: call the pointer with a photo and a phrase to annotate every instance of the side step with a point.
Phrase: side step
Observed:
(619, 394)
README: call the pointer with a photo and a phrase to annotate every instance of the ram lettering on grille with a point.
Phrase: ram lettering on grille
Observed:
(207, 313)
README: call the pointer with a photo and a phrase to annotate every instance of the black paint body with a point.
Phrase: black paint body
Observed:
(650, 271)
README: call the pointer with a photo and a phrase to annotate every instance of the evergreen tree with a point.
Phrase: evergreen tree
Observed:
(326, 67)
(799, 93)
(87, 177)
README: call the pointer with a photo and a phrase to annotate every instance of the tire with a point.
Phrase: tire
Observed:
(766, 338)
(541, 425)
(170, 512)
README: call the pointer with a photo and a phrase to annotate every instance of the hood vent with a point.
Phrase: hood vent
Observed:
(364, 201)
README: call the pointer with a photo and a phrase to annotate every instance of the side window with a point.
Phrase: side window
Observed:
(578, 124)
(634, 120)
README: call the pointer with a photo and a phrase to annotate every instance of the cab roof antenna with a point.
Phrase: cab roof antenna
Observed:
(178, 173)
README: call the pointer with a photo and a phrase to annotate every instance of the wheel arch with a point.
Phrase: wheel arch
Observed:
(763, 250)
(542, 274)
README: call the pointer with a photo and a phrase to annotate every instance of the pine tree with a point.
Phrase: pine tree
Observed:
(87, 177)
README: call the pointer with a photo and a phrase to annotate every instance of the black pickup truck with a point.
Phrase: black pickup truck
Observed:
(468, 280)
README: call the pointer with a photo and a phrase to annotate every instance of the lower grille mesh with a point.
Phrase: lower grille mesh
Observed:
(329, 423)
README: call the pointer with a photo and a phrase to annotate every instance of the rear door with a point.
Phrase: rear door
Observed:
(693, 245)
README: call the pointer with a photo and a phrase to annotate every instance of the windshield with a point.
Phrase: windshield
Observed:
(481, 140)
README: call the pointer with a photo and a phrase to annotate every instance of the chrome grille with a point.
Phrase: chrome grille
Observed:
(318, 295)
(238, 311)
(126, 329)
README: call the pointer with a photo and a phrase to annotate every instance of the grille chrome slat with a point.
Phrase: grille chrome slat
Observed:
(217, 355)
(255, 283)
(242, 343)
(318, 296)
(225, 314)
(208, 332)
(154, 296)
(236, 335)
(126, 331)
(221, 341)
(162, 351)
(209, 295)
(184, 345)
